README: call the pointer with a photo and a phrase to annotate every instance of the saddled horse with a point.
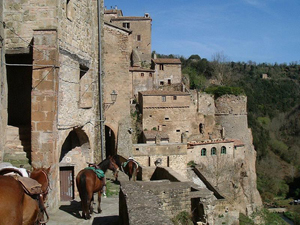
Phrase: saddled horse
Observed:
(88, 183)
(17, 206)
(131, 168)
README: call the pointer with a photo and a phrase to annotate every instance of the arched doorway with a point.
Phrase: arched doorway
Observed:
(110, 141)
(75, 152)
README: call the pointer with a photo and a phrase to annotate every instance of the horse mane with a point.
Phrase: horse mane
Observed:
(104, 164)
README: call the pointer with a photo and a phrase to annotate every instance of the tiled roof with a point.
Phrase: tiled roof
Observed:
(118, 27)
(151, 134)
(167, 61)
(158, 93)
(121, 18)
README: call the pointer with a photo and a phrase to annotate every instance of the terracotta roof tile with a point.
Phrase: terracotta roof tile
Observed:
(159, 92)
(167, 61)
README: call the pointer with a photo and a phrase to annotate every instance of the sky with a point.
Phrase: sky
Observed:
(263, 31)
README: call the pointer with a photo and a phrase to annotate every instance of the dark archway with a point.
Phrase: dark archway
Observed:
(110, 141)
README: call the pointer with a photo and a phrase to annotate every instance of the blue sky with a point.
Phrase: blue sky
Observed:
(258, 30)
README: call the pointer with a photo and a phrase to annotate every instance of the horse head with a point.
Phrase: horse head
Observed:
(41, 175)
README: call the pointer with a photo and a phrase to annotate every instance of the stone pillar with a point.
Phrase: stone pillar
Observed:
(44, 98)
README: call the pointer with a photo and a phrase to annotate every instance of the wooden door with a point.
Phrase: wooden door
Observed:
(66, 175)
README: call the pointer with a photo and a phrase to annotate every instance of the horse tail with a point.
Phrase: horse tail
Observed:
(83, 194)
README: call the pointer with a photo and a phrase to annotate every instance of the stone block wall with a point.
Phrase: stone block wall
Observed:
(231, 104)
(171, 74)
(116, 58)
(23, 17)
(172, 155)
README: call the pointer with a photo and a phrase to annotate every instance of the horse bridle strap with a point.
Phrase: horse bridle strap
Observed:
(48, 186)
(42, 209)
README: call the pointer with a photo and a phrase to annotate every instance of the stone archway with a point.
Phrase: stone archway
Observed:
(110, 141)
(75, 153)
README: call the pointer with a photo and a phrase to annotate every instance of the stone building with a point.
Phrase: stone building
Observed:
(167, 71)
(49, 88)
(117, 81)
(141, 32)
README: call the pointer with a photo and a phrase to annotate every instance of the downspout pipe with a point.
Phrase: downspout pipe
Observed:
(100, 79)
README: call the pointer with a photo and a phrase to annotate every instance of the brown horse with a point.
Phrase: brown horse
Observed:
(16, 206)
(41, 176)
(88, 183)
(131, 168)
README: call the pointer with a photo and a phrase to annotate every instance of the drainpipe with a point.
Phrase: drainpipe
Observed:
(100, 79)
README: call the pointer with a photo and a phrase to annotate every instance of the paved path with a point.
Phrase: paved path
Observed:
(69, 213)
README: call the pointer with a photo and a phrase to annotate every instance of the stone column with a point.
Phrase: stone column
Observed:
(44, 98)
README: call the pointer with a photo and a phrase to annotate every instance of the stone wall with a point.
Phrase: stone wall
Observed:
(117, 78)
(150, 199)
(142, 80)
(172, 155)
(171, 74)
(139, 26)
(23, 17)
(3, 89)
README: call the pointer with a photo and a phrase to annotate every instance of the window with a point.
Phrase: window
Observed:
(167, 118)
(163, 98)
(175, 97)
(203, 152)
(223, 150)
(85, 88)
(137, 149)
(150, 74)
(142, 74)
(169, 81)
(161, 83)
(177, 131)
(161, 66)
(126, 25)
(201, 128)
(213, 151)
(138, 37)
(150, 115)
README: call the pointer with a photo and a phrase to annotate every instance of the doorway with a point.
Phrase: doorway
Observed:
(66, 175)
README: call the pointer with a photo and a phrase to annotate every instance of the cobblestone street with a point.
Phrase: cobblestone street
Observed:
(69, 213)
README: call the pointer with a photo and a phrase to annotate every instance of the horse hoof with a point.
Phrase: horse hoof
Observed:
(99, 211)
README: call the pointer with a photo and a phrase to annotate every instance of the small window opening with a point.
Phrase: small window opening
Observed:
(150, 115)
(169, 81)
(167, 118)
(126, 25)
(150, 74)
(142, 74)
(203, 152)
(213, 151)
(177, 131)
(161, 83)
(137, 149)
(174, 97)
(223, 150)
(168, 161)
(138, 37)
(161, 66)
(163, 98)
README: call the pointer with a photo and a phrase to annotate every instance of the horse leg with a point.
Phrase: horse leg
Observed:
(99, 201)
(134, 173)
(92, 205)
(30, 210)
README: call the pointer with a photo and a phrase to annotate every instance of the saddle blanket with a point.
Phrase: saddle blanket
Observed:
(100, 174)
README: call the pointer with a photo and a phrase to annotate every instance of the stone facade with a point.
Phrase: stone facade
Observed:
(60, 40)
(116, 58)
(141, 35)
(167, 72)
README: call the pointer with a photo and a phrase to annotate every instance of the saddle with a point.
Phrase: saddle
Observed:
(30, 186)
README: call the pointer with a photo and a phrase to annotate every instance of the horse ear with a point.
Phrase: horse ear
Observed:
(48, 169)
(33, 168)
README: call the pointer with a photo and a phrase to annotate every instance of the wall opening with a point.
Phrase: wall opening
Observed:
(66, 175)
(110, 142)
(19, 84)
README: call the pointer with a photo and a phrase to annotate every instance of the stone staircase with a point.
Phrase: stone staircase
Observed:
(17, 146)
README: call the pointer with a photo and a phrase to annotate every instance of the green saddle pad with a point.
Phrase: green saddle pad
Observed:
(100, 174)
